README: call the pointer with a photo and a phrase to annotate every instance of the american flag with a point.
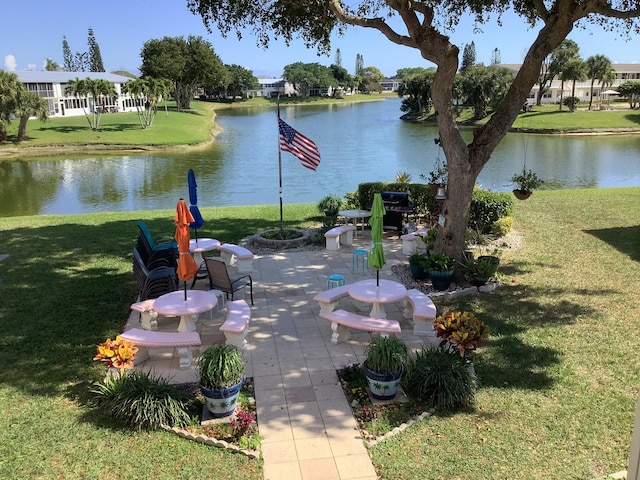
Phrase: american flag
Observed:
(299, 145)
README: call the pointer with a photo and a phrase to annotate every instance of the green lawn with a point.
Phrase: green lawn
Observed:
(560, 373)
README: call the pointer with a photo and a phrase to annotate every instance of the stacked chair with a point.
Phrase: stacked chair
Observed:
(154, 265)
(151, 250)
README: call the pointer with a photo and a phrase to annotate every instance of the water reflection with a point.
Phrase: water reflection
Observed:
(358, 143)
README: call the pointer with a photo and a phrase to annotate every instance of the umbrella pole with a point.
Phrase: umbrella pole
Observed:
(377, 278)
(185, 290)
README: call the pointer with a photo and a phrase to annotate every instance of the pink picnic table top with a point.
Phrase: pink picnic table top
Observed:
(173, 304)
(387, 291)
(203, 244)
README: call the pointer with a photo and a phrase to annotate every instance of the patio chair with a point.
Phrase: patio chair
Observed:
(153, 281)
(219, 278)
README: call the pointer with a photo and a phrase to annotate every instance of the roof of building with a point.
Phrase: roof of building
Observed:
(617, 67)
(38, 76)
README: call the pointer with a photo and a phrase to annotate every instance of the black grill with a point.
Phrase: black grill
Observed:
(397, 206)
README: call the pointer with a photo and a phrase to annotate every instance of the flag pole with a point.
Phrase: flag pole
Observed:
(280, 170)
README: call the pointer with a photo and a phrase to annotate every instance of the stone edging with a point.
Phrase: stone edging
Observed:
(201, 438)
(399, 429)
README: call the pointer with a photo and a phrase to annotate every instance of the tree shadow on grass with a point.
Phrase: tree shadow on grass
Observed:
(625, 239)
(67, 287)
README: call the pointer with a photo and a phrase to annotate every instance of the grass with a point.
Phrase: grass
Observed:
(190, 127)
(67, 286)
(559, 373)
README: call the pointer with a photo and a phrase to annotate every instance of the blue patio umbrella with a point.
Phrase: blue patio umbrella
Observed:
(198, 221)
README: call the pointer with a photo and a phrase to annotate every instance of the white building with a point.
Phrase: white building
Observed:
(51, 86)
(270, 87)
(624, 73)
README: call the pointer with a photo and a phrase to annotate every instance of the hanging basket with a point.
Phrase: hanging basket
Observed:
(522, 194)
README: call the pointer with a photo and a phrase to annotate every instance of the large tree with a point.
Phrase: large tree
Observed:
(240, 80)
(95, 57)
(9, 87)
(425, 25)
(554, 64)
(304, 76)
(189, 64)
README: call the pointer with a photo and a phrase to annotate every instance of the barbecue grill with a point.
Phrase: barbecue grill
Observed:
(397, 206)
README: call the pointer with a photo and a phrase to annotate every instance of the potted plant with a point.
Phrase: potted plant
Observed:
(221, 372)
(479, 270)
(385, 358)
(415, 265)
(462, 331)
(441, 268)
(526, 182)
(330, 205)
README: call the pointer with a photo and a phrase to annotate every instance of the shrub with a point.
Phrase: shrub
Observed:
(502, 226)
(487, 208)
(142, 400)
(442, 379)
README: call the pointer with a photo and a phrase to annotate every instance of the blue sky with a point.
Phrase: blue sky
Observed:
(32, 31)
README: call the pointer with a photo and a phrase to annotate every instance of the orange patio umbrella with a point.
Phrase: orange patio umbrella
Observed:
(187, 267)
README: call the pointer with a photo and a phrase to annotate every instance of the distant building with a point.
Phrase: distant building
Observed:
(270, 87)
(51, 86)
(390, 84)
(624, 72)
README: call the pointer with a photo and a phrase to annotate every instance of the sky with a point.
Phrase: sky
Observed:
(32, 32)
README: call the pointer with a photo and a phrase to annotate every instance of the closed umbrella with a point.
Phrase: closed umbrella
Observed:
(187, 267)
(198, 221)
(376, 254)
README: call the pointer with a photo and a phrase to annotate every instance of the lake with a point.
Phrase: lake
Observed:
(358, 142)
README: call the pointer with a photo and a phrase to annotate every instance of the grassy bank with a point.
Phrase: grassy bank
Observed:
(560, 373)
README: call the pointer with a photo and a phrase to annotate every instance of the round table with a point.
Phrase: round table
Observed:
(173, 304)
(197, 247)
(355, 214)
(367, 291)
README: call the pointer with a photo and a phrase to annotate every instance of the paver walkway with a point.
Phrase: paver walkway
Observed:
(308, 428)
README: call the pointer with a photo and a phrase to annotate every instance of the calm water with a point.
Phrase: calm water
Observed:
(358, 143)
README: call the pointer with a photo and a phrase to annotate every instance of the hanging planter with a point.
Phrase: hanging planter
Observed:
(526, 182)
(522, 194)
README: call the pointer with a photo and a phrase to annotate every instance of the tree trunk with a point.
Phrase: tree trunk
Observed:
(22, 126)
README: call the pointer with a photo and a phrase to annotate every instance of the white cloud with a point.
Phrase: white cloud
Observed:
(31, 66)
(10, 63)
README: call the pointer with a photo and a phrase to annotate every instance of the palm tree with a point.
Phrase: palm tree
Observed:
(9, 86)
(30, 104)
(102, 91)
(79, 89)
(576, 71)
(597, 68)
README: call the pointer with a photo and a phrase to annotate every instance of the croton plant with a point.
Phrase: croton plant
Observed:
(118, 353)
(461, 330)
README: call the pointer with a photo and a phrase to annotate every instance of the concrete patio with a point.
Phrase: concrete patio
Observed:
(308, 428)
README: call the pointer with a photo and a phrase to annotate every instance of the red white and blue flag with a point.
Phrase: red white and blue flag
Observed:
(299, 145)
